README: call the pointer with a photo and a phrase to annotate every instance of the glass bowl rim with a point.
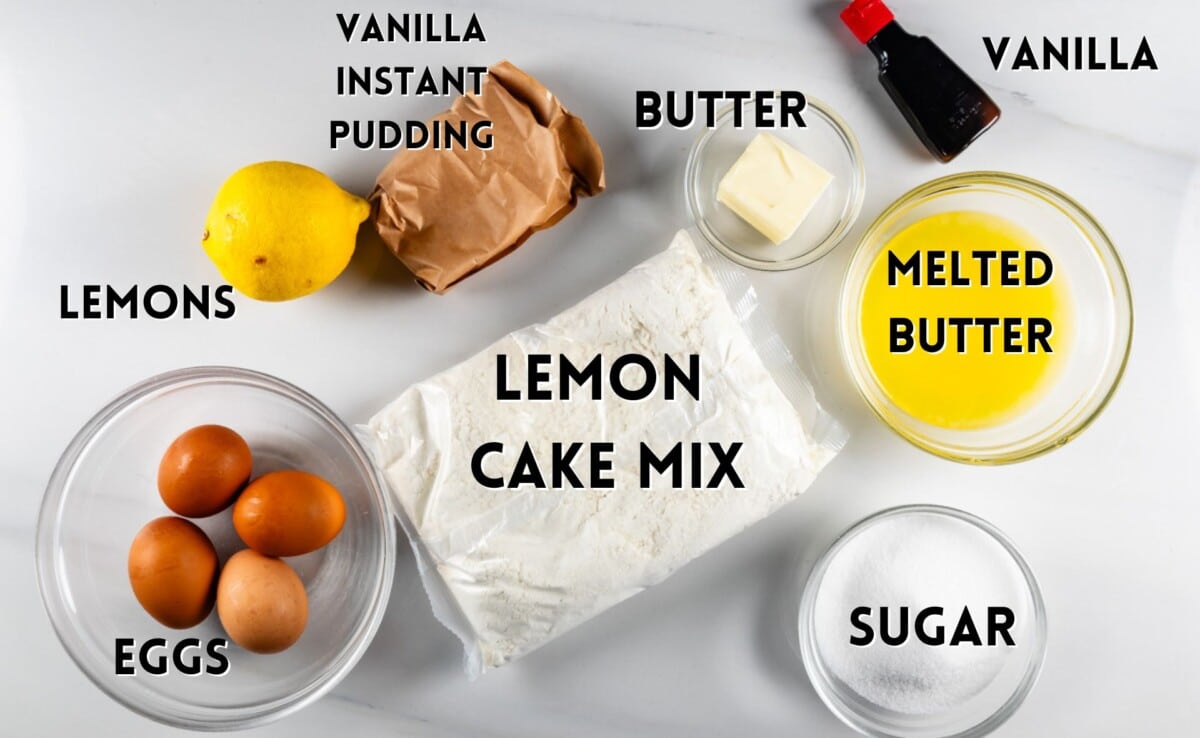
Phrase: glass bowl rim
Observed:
(854, 199)
(1092, 404)
(813, 666)
(180, 713)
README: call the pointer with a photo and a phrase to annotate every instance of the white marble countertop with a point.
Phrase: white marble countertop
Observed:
(119, 122)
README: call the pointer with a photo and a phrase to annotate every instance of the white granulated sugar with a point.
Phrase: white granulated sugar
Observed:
(524, 565)
(919, 560)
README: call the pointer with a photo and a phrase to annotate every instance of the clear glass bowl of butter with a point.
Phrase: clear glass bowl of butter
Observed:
(943, 566)
(986, 317)
(103, 491)
(825, 140)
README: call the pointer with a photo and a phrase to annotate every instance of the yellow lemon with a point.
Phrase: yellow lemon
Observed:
(278, 230)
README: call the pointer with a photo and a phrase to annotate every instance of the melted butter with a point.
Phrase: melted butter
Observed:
(965, 375)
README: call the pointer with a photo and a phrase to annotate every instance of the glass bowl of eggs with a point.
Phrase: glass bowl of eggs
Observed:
(215, 549)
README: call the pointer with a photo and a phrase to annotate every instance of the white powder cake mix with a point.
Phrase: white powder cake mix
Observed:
(510, 568)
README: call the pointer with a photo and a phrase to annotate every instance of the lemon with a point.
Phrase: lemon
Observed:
(277, 230)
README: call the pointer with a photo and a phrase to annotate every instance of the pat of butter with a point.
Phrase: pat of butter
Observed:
(773, 187)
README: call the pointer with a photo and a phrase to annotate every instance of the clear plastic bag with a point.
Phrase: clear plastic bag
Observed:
(510, 568)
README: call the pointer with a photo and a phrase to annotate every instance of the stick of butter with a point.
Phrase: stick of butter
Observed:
(773, 187)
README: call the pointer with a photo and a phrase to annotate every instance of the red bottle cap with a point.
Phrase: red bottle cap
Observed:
(865, 18)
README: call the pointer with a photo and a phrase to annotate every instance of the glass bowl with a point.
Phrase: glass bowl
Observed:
(987, 693)
(826, 139)
(1100, 305)
(104, 490)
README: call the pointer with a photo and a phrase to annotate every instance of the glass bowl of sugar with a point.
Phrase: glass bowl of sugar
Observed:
(922, 622)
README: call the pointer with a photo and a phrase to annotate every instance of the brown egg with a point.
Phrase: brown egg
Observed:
(288, 513)
(202, 471)
(173, 570)
(261, 602)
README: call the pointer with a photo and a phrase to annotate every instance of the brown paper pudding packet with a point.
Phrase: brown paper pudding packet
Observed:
(448, 213)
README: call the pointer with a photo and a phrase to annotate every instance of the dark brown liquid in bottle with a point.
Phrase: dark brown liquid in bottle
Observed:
(945, 107)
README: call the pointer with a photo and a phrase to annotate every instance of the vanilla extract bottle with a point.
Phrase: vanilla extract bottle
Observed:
(945, 108)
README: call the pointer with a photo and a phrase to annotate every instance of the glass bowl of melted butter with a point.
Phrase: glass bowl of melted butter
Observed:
(986, 317)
